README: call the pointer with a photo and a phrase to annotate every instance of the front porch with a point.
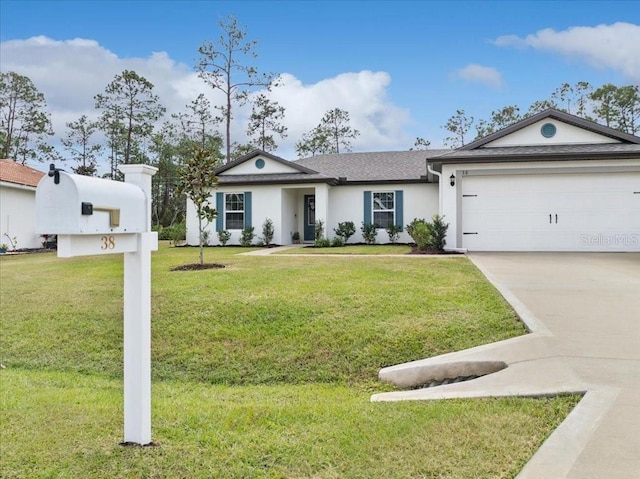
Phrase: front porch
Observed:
(302, 206)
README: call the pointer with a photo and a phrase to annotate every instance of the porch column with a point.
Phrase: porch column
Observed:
(322, 206)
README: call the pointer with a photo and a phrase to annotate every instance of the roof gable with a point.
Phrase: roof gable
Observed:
(12, 172)
(552, 127)
(259, 162)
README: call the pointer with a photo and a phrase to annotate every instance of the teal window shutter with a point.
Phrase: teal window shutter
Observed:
(220, 211)
(399, 209)
(247, 209)
(367, 208)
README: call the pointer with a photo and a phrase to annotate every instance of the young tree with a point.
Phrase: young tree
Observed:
(198, 123)
(222, 66)
(573, 98)
(332, 132)
(336, 125)
(420, 144)
(605, 104)
(265, 122)
(197, 181)
(129, 103)
(238, 150)
(78, 143)
(499, 119)
(24, 121)
(538, 106)
(315, 142)
(628, 102)
(459, 126)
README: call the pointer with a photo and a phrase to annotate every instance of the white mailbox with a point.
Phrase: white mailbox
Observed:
(68, 204)
(94, 216)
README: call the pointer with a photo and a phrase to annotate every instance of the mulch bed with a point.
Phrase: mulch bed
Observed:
(198, 267)
(415, 250)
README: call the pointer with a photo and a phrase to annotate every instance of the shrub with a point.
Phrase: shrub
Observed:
(394, 233)
(429, 235)
(318, 230)
(224, 236)
(369, 232)
(345, 230)
(173, 233)
(437, 232)
(267, 232)
(322, 243)
(421, 235)
(246, 238)
(295, 237)
(337, 242)
(412, 225)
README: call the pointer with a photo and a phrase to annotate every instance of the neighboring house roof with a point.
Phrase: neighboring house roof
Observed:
(383, 166)
(12, 172)
(560, 116)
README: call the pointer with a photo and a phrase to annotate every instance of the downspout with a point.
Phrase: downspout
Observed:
(439, 175)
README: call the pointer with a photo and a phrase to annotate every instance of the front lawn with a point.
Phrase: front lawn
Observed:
(261, 369)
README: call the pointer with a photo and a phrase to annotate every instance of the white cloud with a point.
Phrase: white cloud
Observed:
(71, 72)
(615, 46)
(478, 73)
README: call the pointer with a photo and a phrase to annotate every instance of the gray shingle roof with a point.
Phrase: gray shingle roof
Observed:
(543, 153)
(375, 166)
(275, 178)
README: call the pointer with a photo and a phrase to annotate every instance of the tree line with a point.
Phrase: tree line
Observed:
(610, 105)
(132, 126)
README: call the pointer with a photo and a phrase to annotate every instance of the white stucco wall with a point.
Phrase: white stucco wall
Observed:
(284, 205)
(565, 134)
(346, 203)
(18, 215)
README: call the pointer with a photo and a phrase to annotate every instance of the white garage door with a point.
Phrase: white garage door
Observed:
(551, 212)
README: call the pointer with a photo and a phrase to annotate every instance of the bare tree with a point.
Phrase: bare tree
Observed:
(222, 65)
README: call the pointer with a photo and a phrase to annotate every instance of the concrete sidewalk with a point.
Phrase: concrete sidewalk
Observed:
(584, 314)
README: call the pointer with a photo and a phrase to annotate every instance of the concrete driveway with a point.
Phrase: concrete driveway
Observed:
(584, 314)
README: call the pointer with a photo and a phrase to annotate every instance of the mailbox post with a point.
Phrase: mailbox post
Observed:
(96, 216)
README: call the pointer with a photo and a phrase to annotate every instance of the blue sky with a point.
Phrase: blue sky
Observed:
(421, 60)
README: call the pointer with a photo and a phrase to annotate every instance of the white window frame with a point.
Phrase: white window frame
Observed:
(375, 210)
(234, 211)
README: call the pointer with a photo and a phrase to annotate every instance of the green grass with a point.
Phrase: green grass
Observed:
(261, 369)
(380, 249)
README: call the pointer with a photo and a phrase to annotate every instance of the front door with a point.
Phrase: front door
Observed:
(309, 217)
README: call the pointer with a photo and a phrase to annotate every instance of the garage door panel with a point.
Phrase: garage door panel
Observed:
(551, 212)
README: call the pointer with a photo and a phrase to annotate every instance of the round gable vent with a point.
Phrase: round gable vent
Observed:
(548, 130)
(259, 163)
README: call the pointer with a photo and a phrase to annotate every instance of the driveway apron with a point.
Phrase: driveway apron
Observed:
(584, 313)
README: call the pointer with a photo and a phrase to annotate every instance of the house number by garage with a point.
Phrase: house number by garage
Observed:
(108, 242)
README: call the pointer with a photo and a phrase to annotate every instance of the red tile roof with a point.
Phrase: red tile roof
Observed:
(13, 172)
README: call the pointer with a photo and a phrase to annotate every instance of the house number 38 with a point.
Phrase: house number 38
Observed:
(108, 242)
